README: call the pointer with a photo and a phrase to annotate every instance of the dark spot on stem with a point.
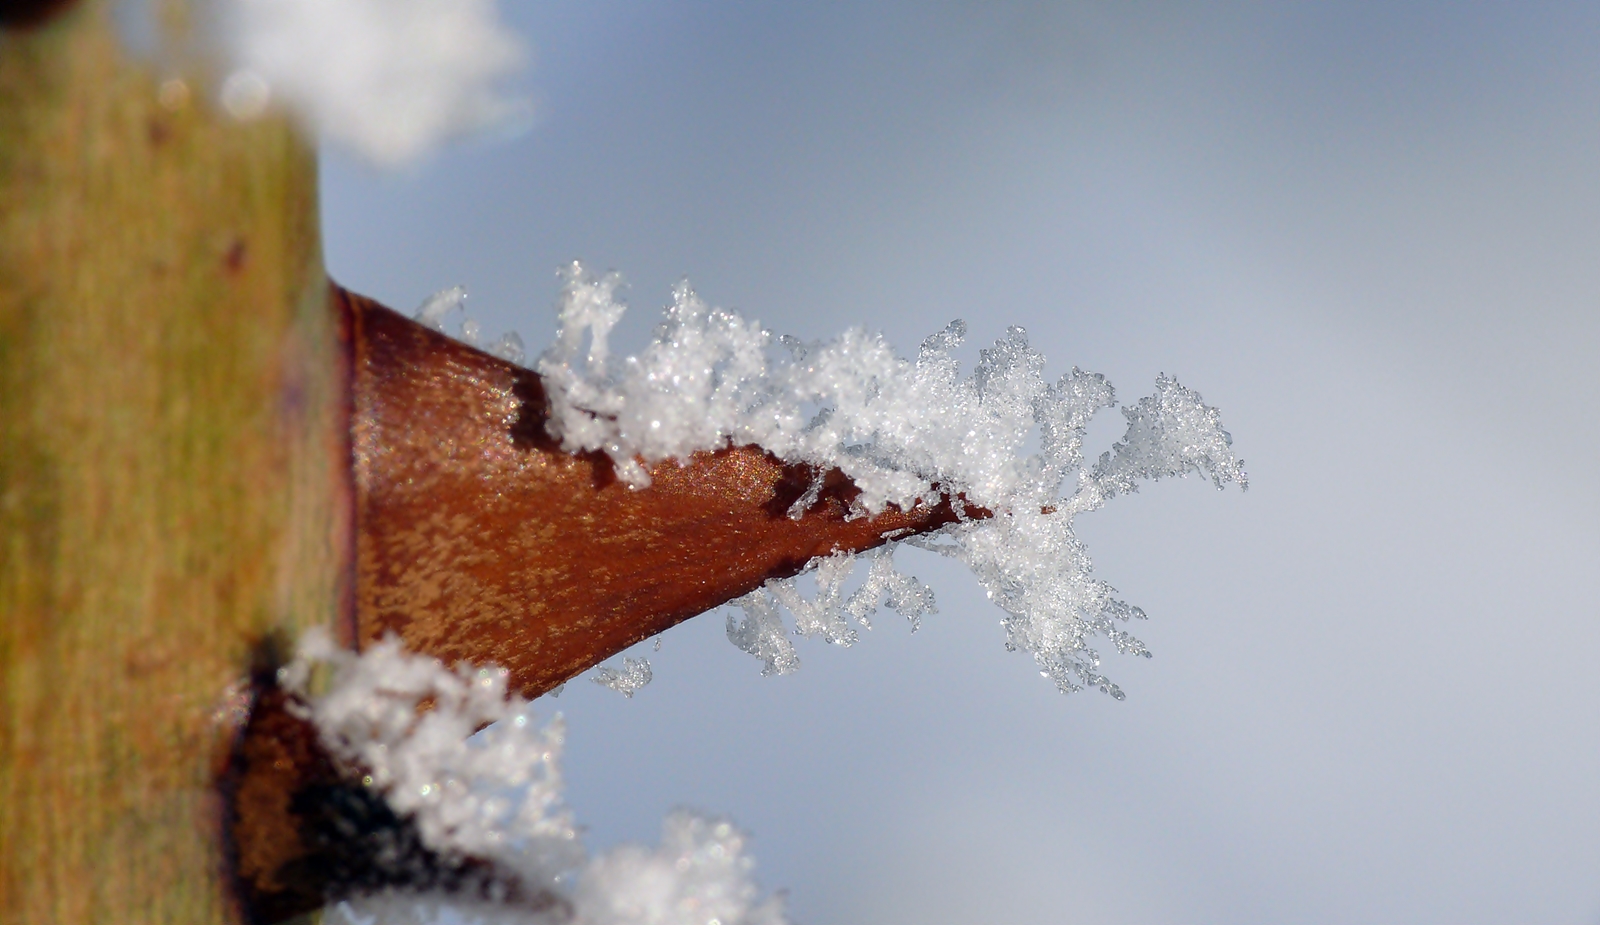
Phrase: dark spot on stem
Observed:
(233, 261)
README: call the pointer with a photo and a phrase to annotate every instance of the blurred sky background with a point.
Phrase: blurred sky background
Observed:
(1369, 232)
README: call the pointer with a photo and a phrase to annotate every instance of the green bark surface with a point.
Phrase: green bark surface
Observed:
(172, 465)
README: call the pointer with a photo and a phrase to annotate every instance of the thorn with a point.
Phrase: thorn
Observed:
(479, 538)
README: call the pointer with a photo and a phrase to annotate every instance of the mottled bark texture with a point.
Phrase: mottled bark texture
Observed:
(173, 465)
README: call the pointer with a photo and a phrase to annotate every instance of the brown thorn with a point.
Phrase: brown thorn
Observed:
(479, 538)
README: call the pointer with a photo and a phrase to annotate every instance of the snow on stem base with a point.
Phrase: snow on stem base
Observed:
(410, 728)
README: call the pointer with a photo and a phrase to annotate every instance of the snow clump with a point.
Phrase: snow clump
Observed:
(409, 724)
(457, 794)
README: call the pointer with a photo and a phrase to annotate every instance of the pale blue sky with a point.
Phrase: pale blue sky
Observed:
(1369, 232)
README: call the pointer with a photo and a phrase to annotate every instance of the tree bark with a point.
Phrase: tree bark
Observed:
(174, 475)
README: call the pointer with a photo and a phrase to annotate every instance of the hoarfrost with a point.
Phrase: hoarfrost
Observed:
(698, 875)
(634, 674)
(435, 308)
(1172, 432)
(905, 432)
(822, 615)
(408, 722)
(902, 593)
(761, 633)
(456, 793)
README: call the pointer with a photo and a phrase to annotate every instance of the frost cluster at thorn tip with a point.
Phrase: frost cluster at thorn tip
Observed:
(906, 431)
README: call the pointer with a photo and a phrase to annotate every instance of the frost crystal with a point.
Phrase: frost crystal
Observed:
(635, 674)
(435, 308)
(902, 594)
(388, 78)
(459, 794)
(905, 431)
(1169, 433)
(762, 634)
(408, 722)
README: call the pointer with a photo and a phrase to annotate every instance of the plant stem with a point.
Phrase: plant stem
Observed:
(173, 465)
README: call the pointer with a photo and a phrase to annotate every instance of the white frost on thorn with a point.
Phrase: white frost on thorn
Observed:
(761, 633)
(431, 313)
(633, 675)
(1173, 432)
(387, 78)
(905, 432)
(435, 308)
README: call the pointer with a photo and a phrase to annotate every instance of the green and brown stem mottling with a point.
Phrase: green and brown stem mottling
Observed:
(173, 465)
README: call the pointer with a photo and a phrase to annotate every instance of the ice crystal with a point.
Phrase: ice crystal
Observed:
(905, 432)
(761, 633)
(457, 794)
(634, 674)
(901, 593)
(409, 723)
(435, 308)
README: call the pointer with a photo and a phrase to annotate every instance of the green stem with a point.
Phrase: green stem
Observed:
(173, 465)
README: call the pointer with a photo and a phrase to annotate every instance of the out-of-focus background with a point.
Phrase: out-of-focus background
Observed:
(1368, 232)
